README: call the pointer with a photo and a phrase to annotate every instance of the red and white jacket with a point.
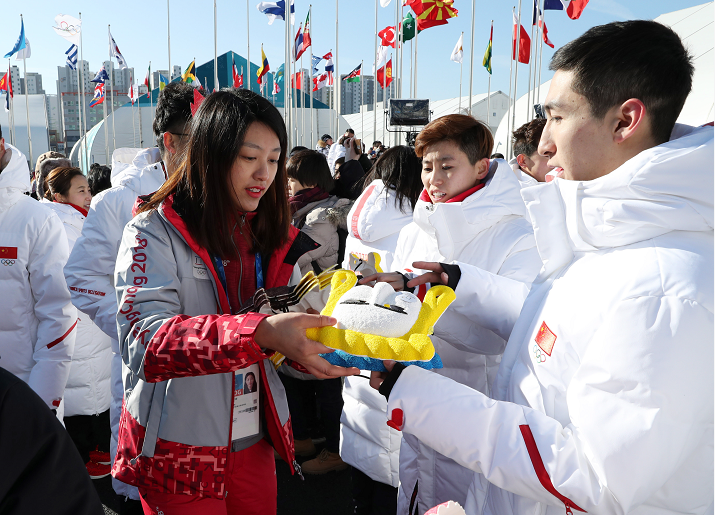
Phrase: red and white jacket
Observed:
(180, 347)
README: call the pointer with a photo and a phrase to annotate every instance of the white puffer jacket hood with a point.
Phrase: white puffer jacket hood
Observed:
(15, 178)
(122, 159)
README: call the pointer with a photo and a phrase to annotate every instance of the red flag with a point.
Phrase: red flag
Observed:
(387, 35)
(296, 80)
(545, 32)
(575, 8)
(237, 79)
(384, 74)
(524, 43)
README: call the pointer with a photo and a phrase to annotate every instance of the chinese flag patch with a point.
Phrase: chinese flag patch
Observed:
(545, 338)
(8, 252)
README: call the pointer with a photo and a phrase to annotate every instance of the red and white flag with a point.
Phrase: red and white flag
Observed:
(388, 36)
(384, 74)
(544, 31)
(320, 82)
(237, 78)
(524, 42)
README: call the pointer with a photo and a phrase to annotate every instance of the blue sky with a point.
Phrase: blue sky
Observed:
(140, 30)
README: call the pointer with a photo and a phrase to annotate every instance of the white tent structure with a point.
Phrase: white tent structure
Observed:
(694, 26)
(498, 104)
(38, 125)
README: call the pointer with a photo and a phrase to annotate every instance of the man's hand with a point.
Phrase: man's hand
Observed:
(376, 378)
(397, 281)
(436, 276)
(285, 333)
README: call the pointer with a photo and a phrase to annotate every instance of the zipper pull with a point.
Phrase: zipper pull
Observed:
(298, 470)
(568, 510)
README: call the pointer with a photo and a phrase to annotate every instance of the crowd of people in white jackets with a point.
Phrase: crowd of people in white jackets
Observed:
(577, 357)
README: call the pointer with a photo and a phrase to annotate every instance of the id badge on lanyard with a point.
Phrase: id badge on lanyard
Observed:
(246, 401)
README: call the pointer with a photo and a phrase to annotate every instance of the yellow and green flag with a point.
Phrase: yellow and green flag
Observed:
(487, 61)
(189, 75)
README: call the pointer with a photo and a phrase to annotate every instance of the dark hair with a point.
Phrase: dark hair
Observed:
(173, 110)
(342, 140)
(340, 161)
(376, 144)
(200, 185)
(0, 131)
(99, 178)
(311, 169)
(326, 137)
(401, 170)
(46, 167)
(245, 380)
(350, 131)
(472, 136)
(631, 59)
(497, 155)
(296, 149)
(59, 181)
(525, 139)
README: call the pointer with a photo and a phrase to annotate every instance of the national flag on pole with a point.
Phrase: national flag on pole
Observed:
(264, 67)
(306, 34)
(20, 43)
(316, 60)
(329, 67)
(534, 10)
(388, 36)
(6, 86)
(101, 76)
(147, 82)
(573, 8)
(544, 31)
(298, 46)
(114, 51)
(380, 58)
(280, 73)
(384, 74)
(276, 10)
(487, 61)
(98, 95)
(458, 51)
(296, 80)
(524, 42)
(276, 88)
(354, 76)
(131, 92)
(25, 53)
(72, 57)
(189, 76)
(162, 82)
(409, 27)
(431, 13)
(320, 82)
(237, 78)
(68, 27)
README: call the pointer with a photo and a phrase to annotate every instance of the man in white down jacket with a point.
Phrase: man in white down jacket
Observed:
(605, 391)
(90, 269)
(38, 322)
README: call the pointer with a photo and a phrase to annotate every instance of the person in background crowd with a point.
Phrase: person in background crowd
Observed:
(216, 231)
(324, 144)
(87, 394)
(497, 155)
(470, 233)
(99, 178)
(38, 323)
(604, 397)
(374, 149)
(90, 269)
(367, 443)
(338, 149)
(351, 173)
(320, 216)
(339, 162)
(44, 165)
(42, 471)
(528, 166)
(362, 158)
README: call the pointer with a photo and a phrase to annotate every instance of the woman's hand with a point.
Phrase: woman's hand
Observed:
(376, 378)
(437, 275)
(397, 281)
(285, 333)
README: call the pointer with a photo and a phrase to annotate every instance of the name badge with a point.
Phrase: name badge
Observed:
(246, 399)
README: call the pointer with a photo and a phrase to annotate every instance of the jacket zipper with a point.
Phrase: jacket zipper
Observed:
(242, 220)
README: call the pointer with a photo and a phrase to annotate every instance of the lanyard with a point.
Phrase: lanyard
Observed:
(260, 282)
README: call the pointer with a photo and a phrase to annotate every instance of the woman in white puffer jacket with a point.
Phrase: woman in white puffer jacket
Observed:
(87, 394)
(374, 223)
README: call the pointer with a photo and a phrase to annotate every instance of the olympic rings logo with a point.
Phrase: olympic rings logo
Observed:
(539, 354)
(7, 262)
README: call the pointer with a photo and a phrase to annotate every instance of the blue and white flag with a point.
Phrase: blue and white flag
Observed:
(276, 10)
(316, 60)
(20, 43)
(114, 52)
(101, 76)
(72, 57)
(26, 52)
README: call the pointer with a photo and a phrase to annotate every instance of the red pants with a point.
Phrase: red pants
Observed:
(250, 485)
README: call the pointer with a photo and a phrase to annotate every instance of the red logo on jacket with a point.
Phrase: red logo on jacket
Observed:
(8, 252)
(545, 339)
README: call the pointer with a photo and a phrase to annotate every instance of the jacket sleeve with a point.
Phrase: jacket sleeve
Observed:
(374, 215)
(90, 268)
(157, 341)
(322, 232)
(640, 403)
(494, 301)
(57, 317)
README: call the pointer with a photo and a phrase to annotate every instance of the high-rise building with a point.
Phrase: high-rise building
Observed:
(34, 84)
(53, 112)
(16, 81)
(175, 71)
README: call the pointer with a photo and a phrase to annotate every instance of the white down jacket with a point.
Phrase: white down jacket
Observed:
(374, 224)
(37, 326)
(606, 386)
(489, 238)
(87, 391)
(90, 269)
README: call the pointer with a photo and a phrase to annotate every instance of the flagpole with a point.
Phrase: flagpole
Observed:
(216, 85)
(248, 56)
(461, 65)
(151, 99)
(402, 46)
(412, 52)
(374, 89)
(362, 111)
(302, 104)
(516, 68)
(471, 59)
(107, 161)
(416, 34)
(286, 72)
(337, 80)
(541, 48)
(79, 110)
(111, 89)
(396, 69)
(27, 105)
(528, 82)
(310, 84)
(141, 134)
(84, 112)
(10, 100)
(511, 69)
(489, 83)
(134, 116)
(537, 45)
(168, 37)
